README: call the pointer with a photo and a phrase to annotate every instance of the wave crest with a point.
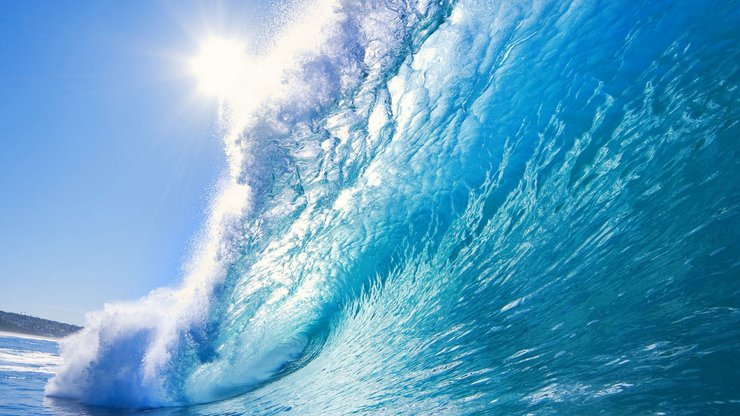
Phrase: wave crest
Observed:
(240, 315)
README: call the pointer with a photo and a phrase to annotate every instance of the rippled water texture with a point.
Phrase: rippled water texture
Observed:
(504, 206)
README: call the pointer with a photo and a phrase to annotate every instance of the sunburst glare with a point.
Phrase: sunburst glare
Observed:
(219, 66)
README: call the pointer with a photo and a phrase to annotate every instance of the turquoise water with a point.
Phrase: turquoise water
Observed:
(503, 207)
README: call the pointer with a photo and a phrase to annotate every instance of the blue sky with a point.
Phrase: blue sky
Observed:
(108, 156)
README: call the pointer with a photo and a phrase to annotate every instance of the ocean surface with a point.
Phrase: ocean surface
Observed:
(26, 365)
(449, 208)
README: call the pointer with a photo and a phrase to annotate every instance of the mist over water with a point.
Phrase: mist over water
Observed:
(458, 207)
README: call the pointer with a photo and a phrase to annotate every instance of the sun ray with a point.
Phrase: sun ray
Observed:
(219, 66)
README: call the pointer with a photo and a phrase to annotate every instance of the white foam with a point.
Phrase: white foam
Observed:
(149, 353)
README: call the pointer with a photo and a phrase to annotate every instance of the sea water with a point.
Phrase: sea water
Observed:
(26, 364)
(454, 207)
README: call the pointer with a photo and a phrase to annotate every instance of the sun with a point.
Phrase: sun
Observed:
(219, 66)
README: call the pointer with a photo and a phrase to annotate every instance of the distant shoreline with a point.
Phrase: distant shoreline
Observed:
(16, 323)
(8, 334)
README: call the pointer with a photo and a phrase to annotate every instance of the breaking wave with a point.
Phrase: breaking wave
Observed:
(450, 207)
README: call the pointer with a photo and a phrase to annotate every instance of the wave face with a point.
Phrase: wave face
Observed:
(450, 208)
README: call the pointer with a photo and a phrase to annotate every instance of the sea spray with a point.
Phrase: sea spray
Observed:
(226, 328)
(513, 207)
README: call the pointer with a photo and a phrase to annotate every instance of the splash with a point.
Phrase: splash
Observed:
(448, 208)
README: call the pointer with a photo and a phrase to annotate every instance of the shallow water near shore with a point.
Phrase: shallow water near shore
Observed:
(25, 366)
